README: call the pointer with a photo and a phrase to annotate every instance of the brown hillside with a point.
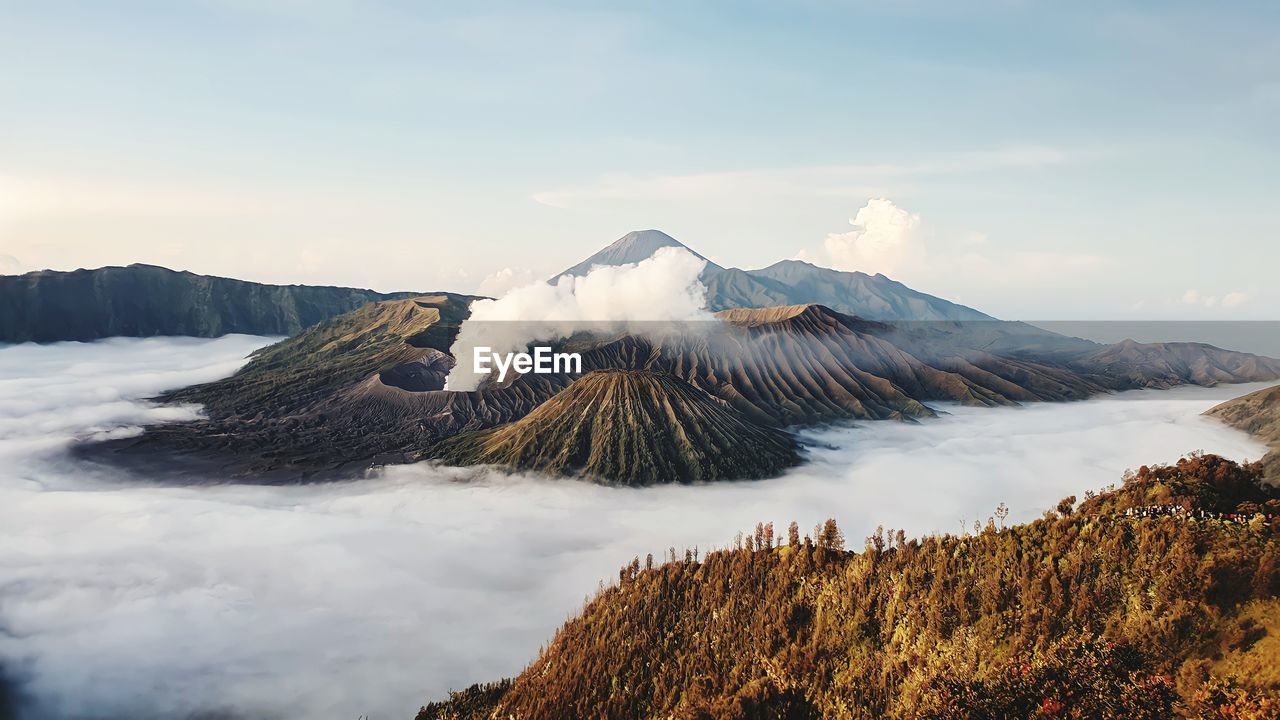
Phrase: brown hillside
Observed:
(1258, 414)
(1144, 602)
(630, 427)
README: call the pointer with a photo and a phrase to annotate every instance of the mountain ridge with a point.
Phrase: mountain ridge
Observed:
(790, 282)
(143, 300)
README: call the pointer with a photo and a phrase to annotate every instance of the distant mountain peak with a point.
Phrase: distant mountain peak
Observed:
(633, 247)
(789, 282)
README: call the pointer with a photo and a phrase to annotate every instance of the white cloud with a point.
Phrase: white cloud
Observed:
(1234, 299)
(9, 265)
(371, 597)
(499, 283)
(1229, 300)
(858, 180)
(889, 239)
(885, 238)
(662, 288)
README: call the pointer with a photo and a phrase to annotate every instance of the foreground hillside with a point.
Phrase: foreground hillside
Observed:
(1158, 599)
(1258, 414)
(145, 300)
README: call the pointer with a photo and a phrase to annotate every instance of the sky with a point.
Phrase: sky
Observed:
(1035, 160)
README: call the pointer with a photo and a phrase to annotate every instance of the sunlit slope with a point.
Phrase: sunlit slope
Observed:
(1133, 605)
(633, 427)
(1258, 414)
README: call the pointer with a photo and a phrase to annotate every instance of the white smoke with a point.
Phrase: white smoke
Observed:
(663, 288)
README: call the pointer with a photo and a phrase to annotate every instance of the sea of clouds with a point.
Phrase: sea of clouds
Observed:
(122, 598)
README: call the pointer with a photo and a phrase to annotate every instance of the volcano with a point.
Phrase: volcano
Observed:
(633, 247)
(367, 387)
(641, 427)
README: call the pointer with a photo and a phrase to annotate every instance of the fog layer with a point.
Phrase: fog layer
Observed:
(119, 598)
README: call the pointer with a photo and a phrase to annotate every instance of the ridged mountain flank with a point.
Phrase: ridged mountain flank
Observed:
(791, 282)
(367, 388)
(630, 427)
(874, 297)
(633, 247)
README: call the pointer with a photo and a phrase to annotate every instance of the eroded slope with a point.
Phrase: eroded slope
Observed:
(635, 427)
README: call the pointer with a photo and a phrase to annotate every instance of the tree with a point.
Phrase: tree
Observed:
(1002, 512)
(1066, 505)
(830, 537)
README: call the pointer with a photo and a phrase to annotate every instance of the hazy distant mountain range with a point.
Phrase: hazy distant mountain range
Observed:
(146, 300)
(791, 282)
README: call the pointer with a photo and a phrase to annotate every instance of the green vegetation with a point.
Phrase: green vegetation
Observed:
(1092, 611)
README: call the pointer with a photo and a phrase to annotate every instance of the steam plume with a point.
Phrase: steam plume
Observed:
(664, 287)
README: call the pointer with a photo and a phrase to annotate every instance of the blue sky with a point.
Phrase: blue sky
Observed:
(1052, 160)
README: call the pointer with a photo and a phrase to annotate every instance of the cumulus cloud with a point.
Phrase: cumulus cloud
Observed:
(663, 288)
(891, 240)
(9, 265)
(501, 282)
(121, 598)
(1234, 299)
(1229, 300)
(884, 239)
